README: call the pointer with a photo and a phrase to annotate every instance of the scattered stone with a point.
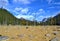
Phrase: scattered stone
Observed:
(26, 27)
(54, 39)
(31, 36)
(12, 37)
(0, 35)
(55, 32)
(58, 28)
(21, 36)
(49, 40)
(48, 35)
(4, 37)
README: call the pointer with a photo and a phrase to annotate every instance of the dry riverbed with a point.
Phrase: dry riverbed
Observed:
(29, 33)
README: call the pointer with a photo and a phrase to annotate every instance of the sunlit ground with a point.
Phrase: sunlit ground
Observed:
(30, 33)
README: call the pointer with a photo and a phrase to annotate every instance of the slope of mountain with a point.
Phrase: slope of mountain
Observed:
(7, 18)
(52, 20)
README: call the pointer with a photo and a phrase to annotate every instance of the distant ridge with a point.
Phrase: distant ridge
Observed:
(7, 18)
(52, 20)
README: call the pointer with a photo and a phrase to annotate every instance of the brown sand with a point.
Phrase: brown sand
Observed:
(31, 33)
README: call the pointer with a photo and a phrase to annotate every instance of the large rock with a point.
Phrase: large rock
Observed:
(4, 38)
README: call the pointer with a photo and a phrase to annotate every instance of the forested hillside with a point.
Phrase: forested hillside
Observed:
(7, 18)
(52, 20)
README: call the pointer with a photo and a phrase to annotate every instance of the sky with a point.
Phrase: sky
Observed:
(32, 9)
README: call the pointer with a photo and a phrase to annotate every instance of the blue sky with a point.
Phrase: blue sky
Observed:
(32, 9)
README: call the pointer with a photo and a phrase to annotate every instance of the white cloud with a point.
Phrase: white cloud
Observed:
(22, 10)
(23, 1)
(18, 9)
(41, 17)
(3, 3)
(25, 10)
(40, 11)
(38, 15)
(44, 16)
(57, 3)
(28, 17)
(53, 2)
(51, 7)
(49, 1)
(34, 15)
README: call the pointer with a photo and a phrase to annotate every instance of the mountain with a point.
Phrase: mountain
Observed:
(7, 18)
(52, 20)
(57, 19)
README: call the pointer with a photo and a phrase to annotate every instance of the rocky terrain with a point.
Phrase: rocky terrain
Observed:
(30, 33)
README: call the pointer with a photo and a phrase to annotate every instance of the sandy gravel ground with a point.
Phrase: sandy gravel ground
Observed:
(30, 33)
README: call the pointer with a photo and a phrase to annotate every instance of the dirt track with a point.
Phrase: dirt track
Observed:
(30, 33)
